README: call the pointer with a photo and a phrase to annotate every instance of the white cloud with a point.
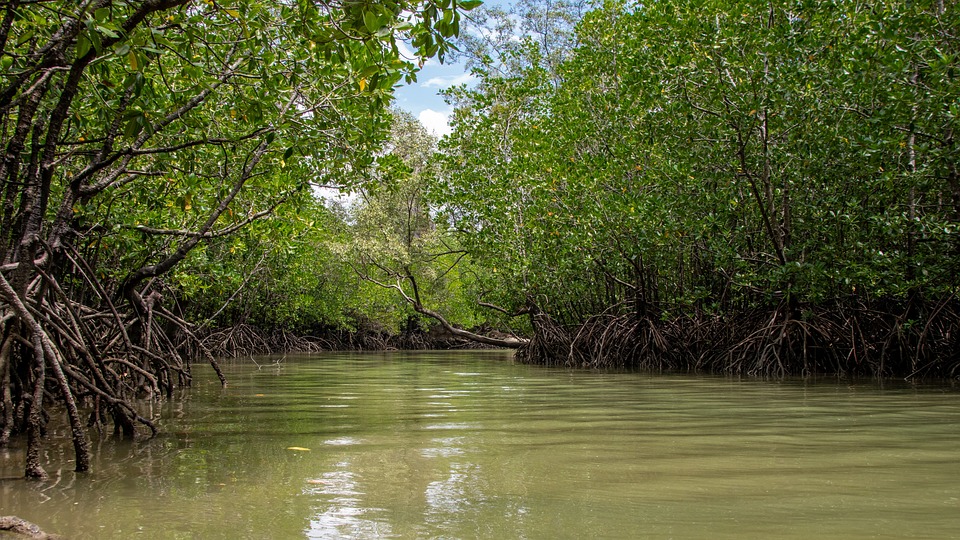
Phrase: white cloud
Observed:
(436, 122)
(405, 51)
(448, 81)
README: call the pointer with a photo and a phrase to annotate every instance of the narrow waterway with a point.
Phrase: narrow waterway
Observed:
(472, 445)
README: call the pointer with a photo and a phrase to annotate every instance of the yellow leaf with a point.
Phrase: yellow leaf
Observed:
(232, 12)
(298, 449)
(363, 84)
(132, 58)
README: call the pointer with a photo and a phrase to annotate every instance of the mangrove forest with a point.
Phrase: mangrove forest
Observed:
(750, 188)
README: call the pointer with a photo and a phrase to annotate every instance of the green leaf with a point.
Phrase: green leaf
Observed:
(371, 22)
(107, 32)
(133, 128)
(83, 45)
(95, 40)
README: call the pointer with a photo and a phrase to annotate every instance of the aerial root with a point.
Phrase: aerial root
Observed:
(913, 340)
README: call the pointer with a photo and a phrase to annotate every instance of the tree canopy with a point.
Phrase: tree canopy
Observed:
(687, 161)
(747, 187)
(137, 132)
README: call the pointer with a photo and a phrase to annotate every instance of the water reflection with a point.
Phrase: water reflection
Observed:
(344, 516)
(449, 498)
(452, 425)
(470, 445)
(342, 441)
(444, 447)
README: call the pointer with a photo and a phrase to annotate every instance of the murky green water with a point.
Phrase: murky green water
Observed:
(470, 445)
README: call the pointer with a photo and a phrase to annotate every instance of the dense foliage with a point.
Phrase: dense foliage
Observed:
(337, 270)
(136, 133)
(755, 186)
(748, 187)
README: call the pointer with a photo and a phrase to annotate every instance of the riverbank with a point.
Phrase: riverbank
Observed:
(246, 340)
(914, 339)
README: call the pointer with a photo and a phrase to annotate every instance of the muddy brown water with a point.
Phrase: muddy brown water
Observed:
(473, 445)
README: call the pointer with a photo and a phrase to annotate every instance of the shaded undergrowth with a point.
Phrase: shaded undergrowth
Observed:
(249, 340)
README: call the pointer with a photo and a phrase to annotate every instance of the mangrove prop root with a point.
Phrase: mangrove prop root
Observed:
(915, 339)
(244, 340)
(73, 350)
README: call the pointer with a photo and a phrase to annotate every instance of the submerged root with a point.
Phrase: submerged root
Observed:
(24, 528)
(66, 346)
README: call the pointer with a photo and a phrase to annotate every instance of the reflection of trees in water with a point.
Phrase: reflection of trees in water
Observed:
(345, 516)
(422, 488)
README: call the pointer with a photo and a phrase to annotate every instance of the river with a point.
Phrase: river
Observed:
(473, 445)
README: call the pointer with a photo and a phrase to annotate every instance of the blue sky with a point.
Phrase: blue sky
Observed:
(422, 98)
